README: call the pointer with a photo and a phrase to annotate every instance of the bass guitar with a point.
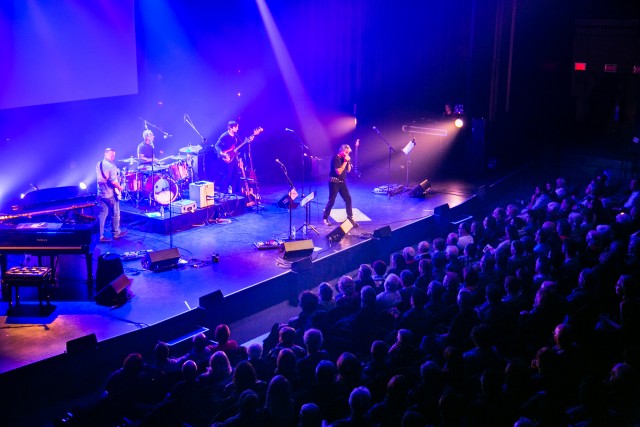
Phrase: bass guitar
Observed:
(230, 154)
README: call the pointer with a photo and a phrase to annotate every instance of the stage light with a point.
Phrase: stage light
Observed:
(459, 123)
(82, 185)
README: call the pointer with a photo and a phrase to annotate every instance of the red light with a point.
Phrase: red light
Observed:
(580, 66)
(610, 68)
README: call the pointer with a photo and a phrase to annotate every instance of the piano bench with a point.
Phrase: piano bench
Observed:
(40, 277)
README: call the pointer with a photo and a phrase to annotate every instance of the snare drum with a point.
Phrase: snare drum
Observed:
(132, 181)
(163, 189)
(179, 170)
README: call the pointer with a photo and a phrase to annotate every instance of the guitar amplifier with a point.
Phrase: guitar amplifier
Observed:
(183, 206)
(202, 193)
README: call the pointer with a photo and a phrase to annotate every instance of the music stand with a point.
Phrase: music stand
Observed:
(307, 214)
(406, 150)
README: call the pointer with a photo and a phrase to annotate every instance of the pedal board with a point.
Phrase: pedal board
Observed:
(269, 244)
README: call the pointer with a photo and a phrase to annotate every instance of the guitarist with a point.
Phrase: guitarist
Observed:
(229, 169)
(109, 190)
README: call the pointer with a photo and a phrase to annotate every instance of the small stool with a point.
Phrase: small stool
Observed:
(16, 277)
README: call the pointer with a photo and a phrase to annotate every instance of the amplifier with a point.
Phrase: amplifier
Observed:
(202, 193)
(183, 206)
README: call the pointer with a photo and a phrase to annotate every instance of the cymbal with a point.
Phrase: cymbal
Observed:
(130, 161)
(179, 157)
(192, 149)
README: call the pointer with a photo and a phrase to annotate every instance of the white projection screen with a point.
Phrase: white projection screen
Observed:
(59, 51)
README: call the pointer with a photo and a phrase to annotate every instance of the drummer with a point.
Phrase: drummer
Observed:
(146, 148)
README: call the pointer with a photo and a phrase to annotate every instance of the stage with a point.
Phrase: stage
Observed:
(219, 252)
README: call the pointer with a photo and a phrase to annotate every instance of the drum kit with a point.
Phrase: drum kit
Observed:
(158, 182)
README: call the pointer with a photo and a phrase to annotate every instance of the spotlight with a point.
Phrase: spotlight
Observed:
(82, 185)
(459, 123)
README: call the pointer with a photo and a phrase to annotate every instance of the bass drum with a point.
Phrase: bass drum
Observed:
(163, 189)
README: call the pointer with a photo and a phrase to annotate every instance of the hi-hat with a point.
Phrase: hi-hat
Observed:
(191, 149)
(130, 161)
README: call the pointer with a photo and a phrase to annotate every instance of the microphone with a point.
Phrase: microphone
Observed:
(145, 125)
(166, 135)
(376, 129)
(289, 130)
(279, 162)
(184, 118)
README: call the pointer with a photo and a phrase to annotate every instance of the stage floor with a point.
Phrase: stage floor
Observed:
(217, 254)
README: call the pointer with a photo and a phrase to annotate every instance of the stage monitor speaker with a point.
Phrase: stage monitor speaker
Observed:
(382, 232)
(339, 232)
(421, 189)
(211, 300)
(285, 201)
(302, 265)
(115, 293)
(82, 344)
(297, 249)
(109, 269)
(442, 210)
(161, 260)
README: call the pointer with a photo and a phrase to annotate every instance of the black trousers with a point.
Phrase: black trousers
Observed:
(336, 188)
(229, 175)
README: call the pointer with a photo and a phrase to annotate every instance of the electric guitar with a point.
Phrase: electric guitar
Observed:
(227, 156)
(247, 190)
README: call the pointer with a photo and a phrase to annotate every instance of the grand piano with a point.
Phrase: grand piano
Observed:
(49, 222)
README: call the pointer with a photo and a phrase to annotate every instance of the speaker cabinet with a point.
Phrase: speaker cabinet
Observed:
(302, 265)
(115, 293)
(211, 300)
(421, 189)
(442, 210)
(382, 232)
(286, 202)
(109, 269)
(339, 232)
(82, 344)
(161, 260)
(297, 249)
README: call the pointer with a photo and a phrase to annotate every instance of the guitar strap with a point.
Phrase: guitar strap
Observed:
(104, 176)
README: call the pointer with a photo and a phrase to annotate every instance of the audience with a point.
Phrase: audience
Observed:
(535, 324)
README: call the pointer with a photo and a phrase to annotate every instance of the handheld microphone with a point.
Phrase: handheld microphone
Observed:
(289, 130)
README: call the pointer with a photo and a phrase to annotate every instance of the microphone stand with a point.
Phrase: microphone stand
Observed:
(292, 195)
(302, 155)
(391, 150)
(188, 121)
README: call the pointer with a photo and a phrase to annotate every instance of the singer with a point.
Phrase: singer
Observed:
(145, 148)
(340, 166)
